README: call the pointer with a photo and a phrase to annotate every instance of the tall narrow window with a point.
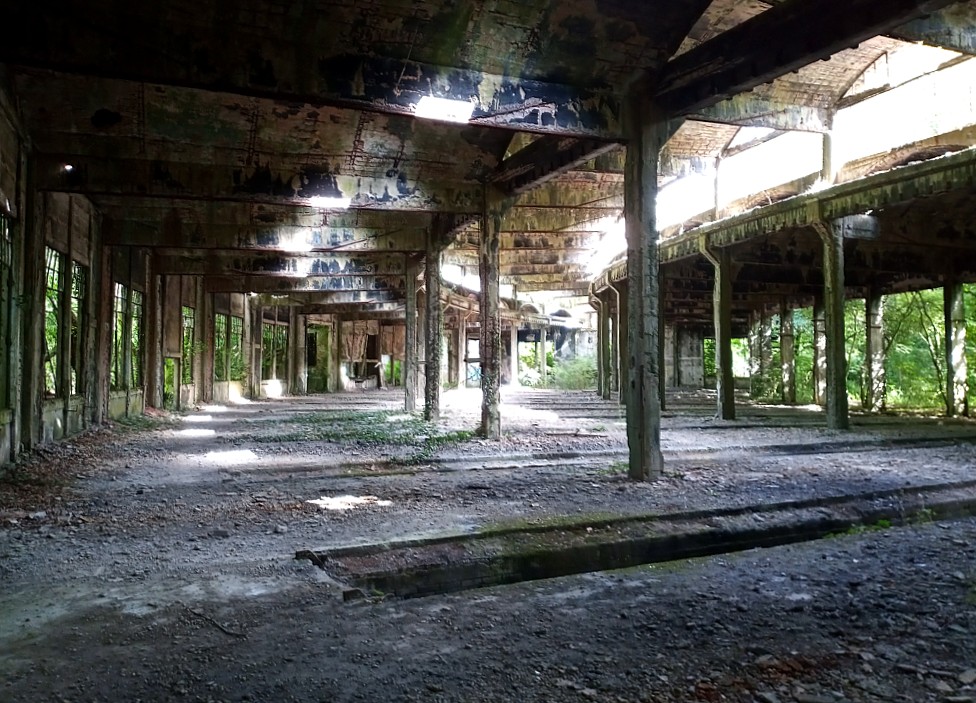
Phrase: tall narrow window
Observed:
(268, 351)
(79, 294)
(220, 347)
(135, 342)
(54, 264)
(6, 282)
(117, 379)
(187, 347)
(238, 372)
(281, 350)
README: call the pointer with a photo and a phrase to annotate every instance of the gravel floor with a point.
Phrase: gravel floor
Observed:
(158, 564)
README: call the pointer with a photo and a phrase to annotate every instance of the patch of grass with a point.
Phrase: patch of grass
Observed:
(434, 441)
(142, 423)
(617, 468)
(373, 428)
(550, 522)
(598, 428)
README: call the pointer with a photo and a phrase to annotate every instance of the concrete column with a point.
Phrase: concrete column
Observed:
(819, 352)
(615, 340)
(957, 391)
(722, 317)
(755, 366)
(410, 338)
(513, 360)
(766, 353)
(662, 381)
(433, 330)
(462, 346)
(299, 381)
(647, 132)
(833, 243)
(874, 356)
(494, 209)
(153, 335)
(623, 343)
(603, 341)
(787, 355)
(254, 357)
(541, 355)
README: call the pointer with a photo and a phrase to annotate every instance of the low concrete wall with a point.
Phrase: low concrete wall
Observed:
(6, 431)
(118, 404)
(228, 391)
(52, 420)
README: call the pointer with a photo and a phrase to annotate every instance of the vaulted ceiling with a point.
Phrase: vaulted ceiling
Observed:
(211, 131)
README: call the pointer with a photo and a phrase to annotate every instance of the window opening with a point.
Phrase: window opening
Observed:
(136, 340)
(79, 295)
(238, 371)
(54, 264)
(220, 346)
(117, 380)
(187, 345)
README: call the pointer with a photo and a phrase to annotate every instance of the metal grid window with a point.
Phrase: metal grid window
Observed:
(220, 347)
(79, 296)
(54, 266)
(238, 371)
(186, 373)
(136, 341)
(117, 377)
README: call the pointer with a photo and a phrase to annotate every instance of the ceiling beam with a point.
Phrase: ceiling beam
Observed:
(168, 46)
(173, 232)
(155, 178)
(544, 159)
(223, 262)
(754, 109)
(953, 27)
(775, 42)
(286, 285)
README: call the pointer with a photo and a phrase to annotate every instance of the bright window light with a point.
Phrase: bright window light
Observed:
(232, 457)
(348, 502)
(197, 418)
(328, 203)
(432, 108)
(196, 433)
(67, 168)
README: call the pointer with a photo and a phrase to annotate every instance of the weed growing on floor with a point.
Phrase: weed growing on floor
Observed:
(374, 428)
(617, 468)
(142, 423)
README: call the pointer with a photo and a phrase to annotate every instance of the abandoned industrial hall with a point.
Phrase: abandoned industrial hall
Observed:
(488, 350)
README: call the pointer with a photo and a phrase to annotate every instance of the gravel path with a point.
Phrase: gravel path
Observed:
(157, 565)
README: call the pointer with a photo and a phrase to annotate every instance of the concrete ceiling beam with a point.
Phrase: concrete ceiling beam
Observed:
(279, 285)
(285, 238)
(147, 178)
(953, 27)
(773, 43)
(304, 68)
(545, 159)
(219, 263)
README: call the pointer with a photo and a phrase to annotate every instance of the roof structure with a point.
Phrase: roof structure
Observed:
(276, 147)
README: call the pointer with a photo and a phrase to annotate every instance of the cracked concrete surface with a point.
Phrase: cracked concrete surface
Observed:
(165, 570)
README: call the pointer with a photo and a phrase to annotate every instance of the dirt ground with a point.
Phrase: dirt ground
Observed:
(157, 563)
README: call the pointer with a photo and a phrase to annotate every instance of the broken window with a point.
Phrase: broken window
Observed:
(220, 347)
(117, 379)
(54, 265)
(187, 345)
(238, 371)
(136, 337)
(79, 295)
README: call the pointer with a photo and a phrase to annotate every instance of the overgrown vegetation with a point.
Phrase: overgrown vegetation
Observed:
(913, 347)
(382, 427)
